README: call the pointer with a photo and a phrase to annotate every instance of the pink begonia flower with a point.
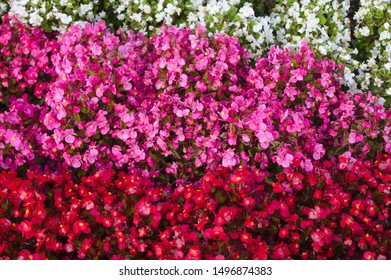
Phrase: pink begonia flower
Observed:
(224, 114)
(265, 137)
(318, 152)
(202, 62)
(61, 113)
(100, 90)
(76, 161)
(297, 75)
(5, 37)
(58, 95)
(180, 135)
(116, 150)
(201, 86)
(352, 137)
(66, 64)
(182, 113)
(244, 156)
(245, 138)
(13, 138)
(92, 155)
(326, 78)
(307, 165)
(50, 122)
(69, 136)
(126, 83)
(109, 40)
(139, 154)
(231, 138)
(197, 106)
(173, 169)
(229, 158)
(57, 136)
(171, 65)
(96, 49)
(90, 129)
(284, 159)
(159, 84)
(183, 80)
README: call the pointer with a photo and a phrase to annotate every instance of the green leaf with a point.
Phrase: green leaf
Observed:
(232, 12)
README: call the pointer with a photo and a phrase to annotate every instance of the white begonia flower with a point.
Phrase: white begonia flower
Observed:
(378, 82)
(312, 22)
(136, 17)
(322, 50)
(234, 2)
(169, 20)
(170, 9)
(65, 19)
(371, 62)
(384, 35)
(3, 7)
(364, 31)
(64, 3)
(35, 19)
(19, 10)
(257, 27)
(224, 6)
(147, 9)
(159, 17)
(191, 17)
(387, 66)
(84, 9)
(213, 7)
(388, 91)
(246, 11)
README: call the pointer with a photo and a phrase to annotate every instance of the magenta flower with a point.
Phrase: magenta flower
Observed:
(69, 136)
(182, 113)
(173, 169)
(202, 62)
(183, 81)
(307, 165)
(224, 113)
(319, 152)
(265, 137)
(13, 138)
(92, 155)
(201, 86)
(297, 75)
(283, 158)
(229, 159)
(90, 129)
(76, 161)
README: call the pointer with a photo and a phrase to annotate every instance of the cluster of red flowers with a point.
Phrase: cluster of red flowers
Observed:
(178, 147)
(339, 211)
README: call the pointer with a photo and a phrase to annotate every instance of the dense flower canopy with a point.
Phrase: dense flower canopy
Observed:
(185, 145)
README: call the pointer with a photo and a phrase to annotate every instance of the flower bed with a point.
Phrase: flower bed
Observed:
(181, 146)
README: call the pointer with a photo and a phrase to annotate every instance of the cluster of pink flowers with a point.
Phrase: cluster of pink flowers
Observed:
(212, 155)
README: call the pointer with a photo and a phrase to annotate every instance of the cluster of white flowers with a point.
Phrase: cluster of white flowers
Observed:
(373, 40)
(61, 14)
(322, 23)
(3, 8)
